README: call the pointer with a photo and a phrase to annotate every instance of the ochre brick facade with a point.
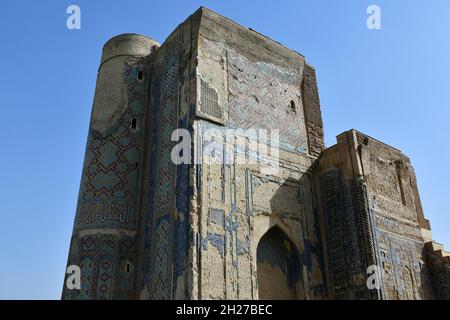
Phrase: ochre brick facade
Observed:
(234, 222)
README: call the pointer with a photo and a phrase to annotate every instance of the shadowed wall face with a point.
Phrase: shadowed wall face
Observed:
(277, 260)
(372, 188)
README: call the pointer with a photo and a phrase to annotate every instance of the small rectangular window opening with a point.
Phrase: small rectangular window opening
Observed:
(134, 123)
(293, 109)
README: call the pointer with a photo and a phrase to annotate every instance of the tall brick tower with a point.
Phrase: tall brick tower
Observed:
(106, 231)
(217, 227)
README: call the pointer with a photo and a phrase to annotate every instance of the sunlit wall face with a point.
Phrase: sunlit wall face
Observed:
(391, 83)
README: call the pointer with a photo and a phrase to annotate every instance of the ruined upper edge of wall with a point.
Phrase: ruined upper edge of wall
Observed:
(128, 44)
(347, 149)
(251, 43)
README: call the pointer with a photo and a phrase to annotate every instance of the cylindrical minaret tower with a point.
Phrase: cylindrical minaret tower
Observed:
(104, 242)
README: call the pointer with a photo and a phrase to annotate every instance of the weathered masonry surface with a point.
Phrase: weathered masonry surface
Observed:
(147, 228)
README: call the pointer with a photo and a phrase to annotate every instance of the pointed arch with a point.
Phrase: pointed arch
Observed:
(278, 266)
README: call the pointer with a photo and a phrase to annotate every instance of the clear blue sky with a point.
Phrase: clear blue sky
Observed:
(393, 84)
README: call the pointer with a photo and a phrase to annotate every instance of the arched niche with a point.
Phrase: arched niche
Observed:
(278, 266)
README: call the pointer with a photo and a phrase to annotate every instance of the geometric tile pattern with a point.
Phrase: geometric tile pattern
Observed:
(165, 180)
(165, 235)
(342, 241)
(112, 166)
(402, 275)
(87, 267)
(108, 199)
(255, 85)
(163, 200)
(161, 256)
(105, 274)
(110, 178)
(210, 100)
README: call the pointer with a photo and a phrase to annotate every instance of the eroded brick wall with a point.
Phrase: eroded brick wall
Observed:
(258, 84)
(438, 261)
(398, 215)
(313, 116)
(238, 221)
(392, 236)
(105, 237)
(165, 265)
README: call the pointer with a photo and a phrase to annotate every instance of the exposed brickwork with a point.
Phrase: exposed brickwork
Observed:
(313, 116)
(391, 237)
(438, 261)
(348, 234)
